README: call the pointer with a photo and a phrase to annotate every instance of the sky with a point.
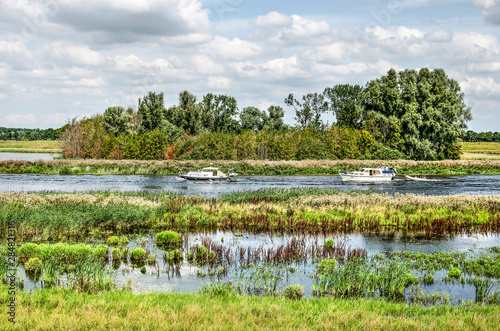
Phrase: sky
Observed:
(61, 59)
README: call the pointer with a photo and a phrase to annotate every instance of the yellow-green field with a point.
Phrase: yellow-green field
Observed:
(35, 146)
(481, 151)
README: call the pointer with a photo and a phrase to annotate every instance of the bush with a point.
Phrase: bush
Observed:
(454, 273)
(137, 254)
(116, 254)
(168, 238)
(327, 266)
(100, 252)
(294, 292)
(151, 259)
(34, 265)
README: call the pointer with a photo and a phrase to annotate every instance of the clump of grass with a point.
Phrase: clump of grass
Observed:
(327, 266)
(454, 273)
(33, 265)
(175, 256)
(201, 253)
(168, 238)
(294, 292)
(137, 254)
(329, 243)
(428, 279)
(118, 241)
(222, 289)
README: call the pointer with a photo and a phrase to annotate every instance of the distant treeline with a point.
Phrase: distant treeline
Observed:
(31, 134)
(489, 136)
(412, 114)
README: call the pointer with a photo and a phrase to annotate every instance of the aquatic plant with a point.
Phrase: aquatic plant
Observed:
(327, 266)
(294, 292)
(223, 289)
(454, 273)
(329, 243)
(33, 265)
(137, 254)
(168, 238)
(175, 256)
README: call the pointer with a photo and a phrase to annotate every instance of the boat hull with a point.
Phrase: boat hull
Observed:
(368, 179)
(206, 179)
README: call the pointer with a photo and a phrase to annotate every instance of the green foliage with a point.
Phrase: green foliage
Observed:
(201, 253)
(252, 118)
(152, 109)
(428, 279)
(113, 240)
(137, 254)
(117, 121)
(308, 113)
(383, 152)
(167, 238)
(329, 243)
(294, 292)
(219, 112)
(327, 266)
(346, 104)
(33, 265)
(175, 256)
(454, 273)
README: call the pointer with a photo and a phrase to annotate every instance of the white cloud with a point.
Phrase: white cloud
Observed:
(74, 54)
(206, 66)
(19, 120)
(490, 10)
(480, 87)
(219, 83)
(273, 19)
(234, 50)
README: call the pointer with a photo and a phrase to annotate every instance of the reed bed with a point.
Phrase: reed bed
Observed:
(247, 167)
(49, 217)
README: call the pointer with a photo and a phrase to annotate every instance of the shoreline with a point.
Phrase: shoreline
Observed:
(246, 167)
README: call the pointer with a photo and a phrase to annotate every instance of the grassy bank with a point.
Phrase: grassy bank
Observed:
(44, 216)
(249, 167)
(480, 151)
(58, 309)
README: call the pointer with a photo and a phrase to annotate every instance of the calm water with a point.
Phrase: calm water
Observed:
(449, 185)
(186, 278)
(28, 156)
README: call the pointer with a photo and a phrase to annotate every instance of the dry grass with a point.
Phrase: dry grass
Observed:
(481, 147)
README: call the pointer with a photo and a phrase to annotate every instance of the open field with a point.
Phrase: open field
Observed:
(249, 167)
(35, 146)
(59, 309)
(480, 151)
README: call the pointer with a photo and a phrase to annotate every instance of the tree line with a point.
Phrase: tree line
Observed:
(412, 114)
(471, 136)
(31, 134)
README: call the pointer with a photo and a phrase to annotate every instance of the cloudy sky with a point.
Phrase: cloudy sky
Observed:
(61, 59)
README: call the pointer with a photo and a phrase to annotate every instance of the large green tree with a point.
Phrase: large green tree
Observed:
(308, 112)
(152, 109)
(116, 120)
(427, 106)
(219, 112)
(275, 116)
(346, 104)
(188, 115)
(252, 118)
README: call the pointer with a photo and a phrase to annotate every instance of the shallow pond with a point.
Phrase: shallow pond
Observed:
(259, 250)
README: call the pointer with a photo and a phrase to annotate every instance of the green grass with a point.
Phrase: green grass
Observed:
(35, 146)
(481, 147)
(249, 167)
(62, 309)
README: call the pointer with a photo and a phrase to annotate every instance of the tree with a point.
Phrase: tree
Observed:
(151, 109)
(187, 115)
(428, 107)
(117, 120)
(308, 113)
(252, 118)
(275, 116)
(219, 112)
(346, 104)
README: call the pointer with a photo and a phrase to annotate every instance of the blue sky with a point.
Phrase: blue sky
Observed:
(61, 59)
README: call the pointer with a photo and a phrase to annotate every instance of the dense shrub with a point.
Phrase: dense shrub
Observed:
(166, 238)
(294, 292)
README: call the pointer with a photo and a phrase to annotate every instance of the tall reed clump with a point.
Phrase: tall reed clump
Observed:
(359, 278)
(168, 239)
(61, 252)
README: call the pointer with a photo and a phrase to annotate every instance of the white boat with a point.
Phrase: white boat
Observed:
(379, 174)
(207, 174)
